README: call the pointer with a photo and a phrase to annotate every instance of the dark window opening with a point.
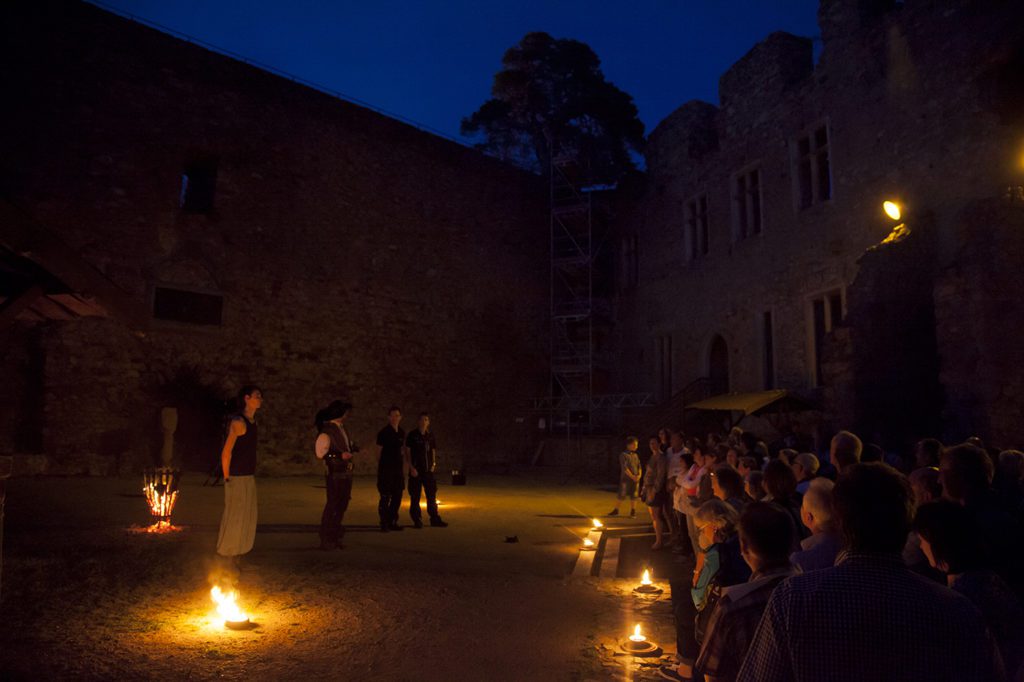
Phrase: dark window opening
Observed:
(814, 171)
(198, 186)
(187, 306)
(697, 230)
(747, 204)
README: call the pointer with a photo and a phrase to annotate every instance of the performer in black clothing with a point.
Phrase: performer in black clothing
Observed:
(422, 453)
(391, 467)
(335, 449)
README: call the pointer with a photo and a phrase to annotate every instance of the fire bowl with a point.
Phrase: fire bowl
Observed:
(644, 648)
(648, 589)
(238, 624)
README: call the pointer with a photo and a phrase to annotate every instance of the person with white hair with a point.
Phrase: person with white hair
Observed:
(821, 548)
(805, 468)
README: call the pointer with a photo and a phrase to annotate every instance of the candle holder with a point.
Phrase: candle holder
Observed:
(637, 644)
(646, 586)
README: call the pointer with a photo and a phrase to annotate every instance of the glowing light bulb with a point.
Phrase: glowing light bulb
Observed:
(892, 209)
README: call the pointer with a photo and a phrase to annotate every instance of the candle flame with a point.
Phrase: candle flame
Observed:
(636, 636)
(587, 542)
(646, 579)
(598, 524)
(227, 609)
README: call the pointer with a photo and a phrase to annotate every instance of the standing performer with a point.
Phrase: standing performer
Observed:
(238, 462)
(393, 462)
(422, 452)
(335, 449)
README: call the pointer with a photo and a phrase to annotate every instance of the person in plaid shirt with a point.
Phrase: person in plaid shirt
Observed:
(869, 617)
(766, 536)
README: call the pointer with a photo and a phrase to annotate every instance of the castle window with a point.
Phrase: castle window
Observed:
(198, 185)
(746, 204)
(192, 307)
(826, 313)
(813, 171)
(695, 237)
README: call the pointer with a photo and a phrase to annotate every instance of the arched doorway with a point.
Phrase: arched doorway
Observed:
(718, 365)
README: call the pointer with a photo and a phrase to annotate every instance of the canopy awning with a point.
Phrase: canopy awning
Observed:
(749, 403)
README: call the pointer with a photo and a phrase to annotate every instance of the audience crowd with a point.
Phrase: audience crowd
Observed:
(858, 564)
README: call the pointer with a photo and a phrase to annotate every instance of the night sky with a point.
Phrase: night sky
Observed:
(433, 62)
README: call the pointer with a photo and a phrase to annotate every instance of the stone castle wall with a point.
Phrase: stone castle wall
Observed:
(356, 256)
(917, 100)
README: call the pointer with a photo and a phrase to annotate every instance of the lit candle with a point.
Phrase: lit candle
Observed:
(598, 524)
(646, 579)
(636, 636)
(588, 543)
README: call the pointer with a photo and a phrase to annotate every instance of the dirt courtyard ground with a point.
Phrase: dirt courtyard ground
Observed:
(84, 598)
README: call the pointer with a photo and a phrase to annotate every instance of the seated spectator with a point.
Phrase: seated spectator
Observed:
(719, 564)
(966, 473)
(845, 450)
(765, 536)
(953, 546)
(753, 483)
(805, 468)
(780, 483)
(869, 617)
(727, 485)
(926, 453)
(822, 547)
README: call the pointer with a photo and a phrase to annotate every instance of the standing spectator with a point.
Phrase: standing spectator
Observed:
(654, 492)
(805, 468)
(677, 460)
(751, 446)
(238, 462)
(822, 547)
(693, 489)
(966, 473)
(732, 456)
(753, 483)
(719, 564)
(1008, 482)
(746, 465)
(927, 452)
(421, 450)
(765, 536)
(727, 485)
(869, 617)
(629, 477)
(953, 546)
(334, 448)
(845, 450)
(780, 483)
(925, 485)
(392, 463)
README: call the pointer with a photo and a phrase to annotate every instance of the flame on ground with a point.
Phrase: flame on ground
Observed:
(636, 636)
(646, 579)
(227, 609)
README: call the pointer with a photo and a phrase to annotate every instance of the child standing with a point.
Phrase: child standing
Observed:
(629, 476)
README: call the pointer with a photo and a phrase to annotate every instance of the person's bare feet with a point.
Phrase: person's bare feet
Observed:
(656, 546)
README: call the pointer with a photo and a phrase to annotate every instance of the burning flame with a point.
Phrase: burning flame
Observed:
(587, 542)
(598, 524)
(227, 609)
(646, 579)
(636, 636)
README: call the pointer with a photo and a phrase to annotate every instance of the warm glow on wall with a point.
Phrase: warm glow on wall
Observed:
(892, 209)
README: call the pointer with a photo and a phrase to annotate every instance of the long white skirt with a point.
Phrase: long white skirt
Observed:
(238, 525)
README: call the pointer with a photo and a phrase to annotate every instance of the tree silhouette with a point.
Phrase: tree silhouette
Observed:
(551, 95)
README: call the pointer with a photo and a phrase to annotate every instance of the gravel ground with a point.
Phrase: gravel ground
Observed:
(86, 598)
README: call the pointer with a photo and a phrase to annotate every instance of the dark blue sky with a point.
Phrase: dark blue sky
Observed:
(433, 62)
